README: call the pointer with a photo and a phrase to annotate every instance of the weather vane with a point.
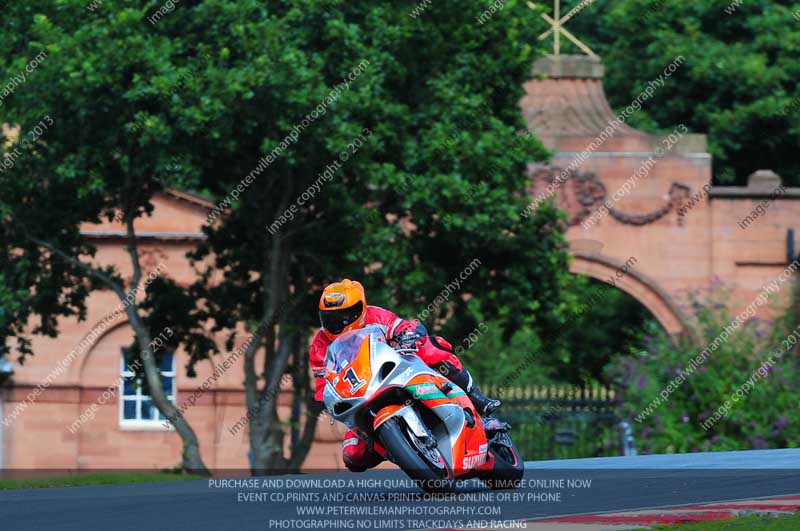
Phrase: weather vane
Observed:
(557, 26)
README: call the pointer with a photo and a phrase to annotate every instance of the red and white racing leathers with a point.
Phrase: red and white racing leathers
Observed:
(356, 452)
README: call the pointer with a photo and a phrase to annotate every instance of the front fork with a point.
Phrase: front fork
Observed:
(408, 414)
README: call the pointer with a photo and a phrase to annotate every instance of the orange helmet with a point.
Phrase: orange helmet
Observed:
(342, 307)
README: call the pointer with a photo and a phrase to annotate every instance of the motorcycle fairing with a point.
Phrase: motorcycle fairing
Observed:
(351, 386)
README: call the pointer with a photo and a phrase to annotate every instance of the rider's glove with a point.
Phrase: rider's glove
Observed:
(409, 335)
(407, 340)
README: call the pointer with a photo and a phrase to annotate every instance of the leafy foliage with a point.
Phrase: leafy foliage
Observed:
(738, 84)
(406, 143)
(499, 362)
(101, 126)
(429, 174)
(99, 77)
(765, 416)
(608, 324)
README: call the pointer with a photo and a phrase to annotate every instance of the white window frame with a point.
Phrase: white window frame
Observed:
(139, 424)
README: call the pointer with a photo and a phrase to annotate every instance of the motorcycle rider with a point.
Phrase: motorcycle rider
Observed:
(343, 307)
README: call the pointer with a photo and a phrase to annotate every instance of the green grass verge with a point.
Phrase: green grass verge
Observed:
(745, 523)
(102, 478)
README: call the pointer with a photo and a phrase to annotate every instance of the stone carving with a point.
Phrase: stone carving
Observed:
(583, 192)
(151, 258)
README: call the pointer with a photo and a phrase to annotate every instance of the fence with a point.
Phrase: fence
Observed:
(564, 422)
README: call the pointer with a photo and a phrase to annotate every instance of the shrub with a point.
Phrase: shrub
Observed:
(758, 360)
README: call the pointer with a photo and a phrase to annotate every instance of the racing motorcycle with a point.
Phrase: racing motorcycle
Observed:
(414, 416)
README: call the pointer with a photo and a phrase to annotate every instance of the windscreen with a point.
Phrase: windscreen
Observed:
(345, 349)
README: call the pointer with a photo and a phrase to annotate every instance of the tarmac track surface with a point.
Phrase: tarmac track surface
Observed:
(385, 499)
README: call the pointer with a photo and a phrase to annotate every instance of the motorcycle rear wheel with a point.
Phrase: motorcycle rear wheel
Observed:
(405, 452)
(508, 465)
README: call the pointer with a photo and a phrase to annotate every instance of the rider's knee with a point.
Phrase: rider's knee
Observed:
(353, 467)
(358, 456)
(448, 368)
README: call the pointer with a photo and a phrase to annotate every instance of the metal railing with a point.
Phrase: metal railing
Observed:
(565, 422)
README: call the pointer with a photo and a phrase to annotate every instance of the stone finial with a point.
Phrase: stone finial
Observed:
(569, 66)
(764, 180)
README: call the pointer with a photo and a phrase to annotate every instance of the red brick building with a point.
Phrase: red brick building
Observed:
(66, 408)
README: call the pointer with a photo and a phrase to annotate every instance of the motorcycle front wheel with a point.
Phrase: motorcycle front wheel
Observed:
(425, 465)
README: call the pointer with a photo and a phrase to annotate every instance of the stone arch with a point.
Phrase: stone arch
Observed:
(76, 369)
(637, 285)
(99, 366)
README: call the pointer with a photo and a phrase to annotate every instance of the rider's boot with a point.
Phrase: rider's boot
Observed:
(485, 406)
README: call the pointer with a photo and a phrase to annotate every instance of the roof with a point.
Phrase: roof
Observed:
(190, 197)
(566, 98)
(762, 184)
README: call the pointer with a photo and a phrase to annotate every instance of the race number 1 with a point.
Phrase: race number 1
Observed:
(353, 380)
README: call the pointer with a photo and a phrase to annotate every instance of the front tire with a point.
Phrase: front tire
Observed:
(427, 467)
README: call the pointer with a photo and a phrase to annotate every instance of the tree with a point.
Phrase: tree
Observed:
(340, 151)
(335, 147)
(80, 157)
(609, 325)
(738, 83)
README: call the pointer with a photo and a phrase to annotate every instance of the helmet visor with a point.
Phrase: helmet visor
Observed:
(335, 321)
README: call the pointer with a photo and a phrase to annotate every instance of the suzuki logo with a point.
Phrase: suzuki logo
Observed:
(474, 461)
